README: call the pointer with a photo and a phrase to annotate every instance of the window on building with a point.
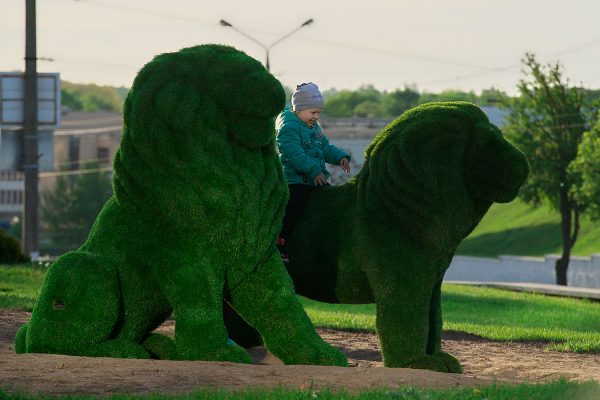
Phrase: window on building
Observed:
(73, 153)
(103, 154)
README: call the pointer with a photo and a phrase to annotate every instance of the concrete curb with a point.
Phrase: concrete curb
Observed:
(540, 288)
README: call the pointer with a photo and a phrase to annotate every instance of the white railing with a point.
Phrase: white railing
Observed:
(582, 272)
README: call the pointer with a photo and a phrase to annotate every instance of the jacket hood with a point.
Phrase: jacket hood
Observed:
(287, 116)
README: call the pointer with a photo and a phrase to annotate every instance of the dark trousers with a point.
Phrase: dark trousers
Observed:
(299, 195)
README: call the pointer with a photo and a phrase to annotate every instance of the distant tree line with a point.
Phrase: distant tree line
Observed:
(90, 97)
(367, 101)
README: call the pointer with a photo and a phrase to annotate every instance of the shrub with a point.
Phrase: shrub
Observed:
(10, 249)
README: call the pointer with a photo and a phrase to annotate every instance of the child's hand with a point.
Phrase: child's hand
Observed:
(320, 180)
(345, 165)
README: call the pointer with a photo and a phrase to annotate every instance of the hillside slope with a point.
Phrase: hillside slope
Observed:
(519, 229)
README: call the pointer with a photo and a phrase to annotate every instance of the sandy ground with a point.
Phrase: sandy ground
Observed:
(484, 362)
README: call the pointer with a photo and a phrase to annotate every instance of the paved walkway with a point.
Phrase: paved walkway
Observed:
(542, 288)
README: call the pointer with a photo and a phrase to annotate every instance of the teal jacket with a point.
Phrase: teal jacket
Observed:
(304, 150)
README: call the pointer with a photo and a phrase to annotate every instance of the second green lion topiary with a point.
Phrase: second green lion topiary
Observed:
(198, 201)
(388, 235)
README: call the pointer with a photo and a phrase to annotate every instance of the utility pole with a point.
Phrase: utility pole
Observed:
(30, 137)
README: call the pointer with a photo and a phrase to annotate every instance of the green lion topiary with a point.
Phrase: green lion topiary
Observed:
(388, 235)
(198, 201)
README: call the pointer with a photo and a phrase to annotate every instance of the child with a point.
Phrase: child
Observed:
(304, 149)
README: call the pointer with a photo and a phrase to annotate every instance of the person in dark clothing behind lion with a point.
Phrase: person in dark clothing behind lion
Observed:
(388, 235)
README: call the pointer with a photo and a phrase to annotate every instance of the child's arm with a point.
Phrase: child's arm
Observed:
(333, 154)
(292, 153)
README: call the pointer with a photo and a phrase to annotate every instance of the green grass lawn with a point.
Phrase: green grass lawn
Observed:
(20, 285)
(559, 390)
(519, 229)
(568, 324)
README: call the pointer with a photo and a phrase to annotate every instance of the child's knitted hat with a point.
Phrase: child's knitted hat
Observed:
(307, 96)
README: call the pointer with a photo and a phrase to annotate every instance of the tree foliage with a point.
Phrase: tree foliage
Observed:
(10, 249)
(449, 95)
(90, 97)
(400, 100)
(587, 167)
(70, 208)
(547, 122)
(367, 101)
(345, 102)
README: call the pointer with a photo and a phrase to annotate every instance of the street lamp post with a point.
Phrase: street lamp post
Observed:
(267, 48)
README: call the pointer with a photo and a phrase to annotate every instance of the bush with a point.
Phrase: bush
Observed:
(10, 249)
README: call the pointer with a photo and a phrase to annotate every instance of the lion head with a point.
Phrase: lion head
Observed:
(443, 164)
(198, 131)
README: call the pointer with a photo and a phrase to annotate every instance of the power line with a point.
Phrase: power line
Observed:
(94, 63)
(487, 69)
(577, 48)
(146, 12)
(474, 75)
(361, 48)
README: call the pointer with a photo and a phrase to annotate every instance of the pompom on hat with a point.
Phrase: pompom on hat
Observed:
(307, 96)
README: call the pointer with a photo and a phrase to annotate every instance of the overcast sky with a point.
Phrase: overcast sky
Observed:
(435, 44)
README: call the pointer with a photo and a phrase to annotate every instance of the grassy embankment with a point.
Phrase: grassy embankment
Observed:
(519, 229)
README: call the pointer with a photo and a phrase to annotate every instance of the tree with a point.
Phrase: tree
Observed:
(369, 109)
(398, 101)
(90, 97)
(587, 167)
(493, 97)
(547, 122)
(10, 249)
(449, 95)
(70, 209)
(344, 102)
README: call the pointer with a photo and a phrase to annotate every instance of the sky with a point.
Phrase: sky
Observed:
(432, 45)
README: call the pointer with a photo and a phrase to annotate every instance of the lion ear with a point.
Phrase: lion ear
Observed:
(430, 150)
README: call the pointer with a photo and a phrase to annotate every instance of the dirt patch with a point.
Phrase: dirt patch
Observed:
(484, 362)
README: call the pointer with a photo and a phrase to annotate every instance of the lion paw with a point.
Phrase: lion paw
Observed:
(161, 347)
(440, 361)
(451, 362)
(20, 340)
(227, 352)
(323, 354)
(332, 356)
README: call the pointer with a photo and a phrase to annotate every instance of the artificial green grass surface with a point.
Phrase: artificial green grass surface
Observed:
(517, 228)
(428, 178)
(566, 324)
(559, 390)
